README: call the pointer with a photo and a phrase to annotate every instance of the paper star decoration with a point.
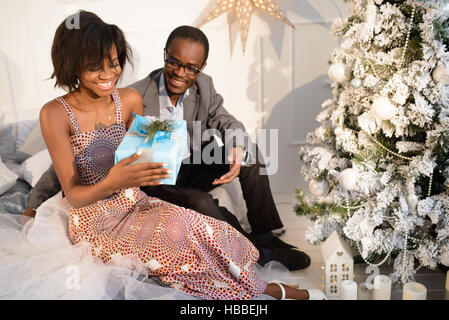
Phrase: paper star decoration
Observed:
(243, 10)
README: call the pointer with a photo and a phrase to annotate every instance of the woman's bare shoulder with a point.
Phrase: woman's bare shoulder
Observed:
(130, 95)
(53, 114)
(131, 100)
(51, 108)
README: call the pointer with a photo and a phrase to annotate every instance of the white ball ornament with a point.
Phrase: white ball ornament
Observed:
(383, 108)
(319, 187)
(348, 179)
(337, 72)
(441, 74)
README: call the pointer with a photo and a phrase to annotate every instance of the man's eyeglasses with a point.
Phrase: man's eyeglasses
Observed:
(188, 69)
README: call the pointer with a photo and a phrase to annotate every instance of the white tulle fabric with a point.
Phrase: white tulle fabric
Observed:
(38, 261)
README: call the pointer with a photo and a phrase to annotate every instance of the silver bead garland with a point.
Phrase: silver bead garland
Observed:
(388, 150)
(407, 39)
(374, 264)
(358, 245)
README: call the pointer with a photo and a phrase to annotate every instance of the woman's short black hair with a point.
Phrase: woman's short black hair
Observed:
(190, 33)
(84, 45)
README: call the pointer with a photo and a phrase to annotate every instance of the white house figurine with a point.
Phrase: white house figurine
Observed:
(339, 263)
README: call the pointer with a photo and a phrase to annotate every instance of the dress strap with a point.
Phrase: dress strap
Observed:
(70, 113)
(118, 107)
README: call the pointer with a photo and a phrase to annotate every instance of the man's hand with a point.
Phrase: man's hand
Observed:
(235, 158)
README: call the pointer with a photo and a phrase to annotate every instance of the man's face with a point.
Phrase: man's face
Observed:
(188, 53)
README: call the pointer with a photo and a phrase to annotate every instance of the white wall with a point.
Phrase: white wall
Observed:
(279, 83)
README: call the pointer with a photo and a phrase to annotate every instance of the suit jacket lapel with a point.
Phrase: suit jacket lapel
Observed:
(190, 107)
(151, 97)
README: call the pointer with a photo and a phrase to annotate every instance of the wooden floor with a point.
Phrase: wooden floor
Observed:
(295, 226)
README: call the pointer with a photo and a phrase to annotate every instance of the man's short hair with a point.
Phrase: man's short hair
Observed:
(85, 47)
(190, 33)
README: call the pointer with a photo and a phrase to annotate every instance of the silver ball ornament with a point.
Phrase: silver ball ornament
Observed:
(356, 83)
(319, 188)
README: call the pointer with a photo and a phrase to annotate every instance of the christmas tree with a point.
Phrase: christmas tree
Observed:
(378, 164)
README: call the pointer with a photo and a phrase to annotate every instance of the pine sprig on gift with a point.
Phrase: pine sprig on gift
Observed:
(157, 125)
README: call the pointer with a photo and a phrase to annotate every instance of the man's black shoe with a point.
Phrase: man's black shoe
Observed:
(278, 243)
(291, 258)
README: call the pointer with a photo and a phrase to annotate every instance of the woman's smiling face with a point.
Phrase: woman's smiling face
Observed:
(100, 81)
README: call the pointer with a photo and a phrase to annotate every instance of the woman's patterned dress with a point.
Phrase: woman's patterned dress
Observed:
(186, 250)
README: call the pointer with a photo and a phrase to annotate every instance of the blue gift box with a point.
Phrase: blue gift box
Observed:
(166, 147)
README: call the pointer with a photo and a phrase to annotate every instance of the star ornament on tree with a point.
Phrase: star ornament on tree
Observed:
(243, 10)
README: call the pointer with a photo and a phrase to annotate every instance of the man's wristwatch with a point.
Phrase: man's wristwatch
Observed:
(246, 158)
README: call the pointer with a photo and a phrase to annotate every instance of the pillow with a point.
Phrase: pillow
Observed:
(33, 168)
(15, 199)
(24, 129)
(32, 144)
(12, 137)
(51, 223)
(7, 178)
(8, 141)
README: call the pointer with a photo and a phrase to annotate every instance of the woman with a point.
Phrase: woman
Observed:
(190, 252)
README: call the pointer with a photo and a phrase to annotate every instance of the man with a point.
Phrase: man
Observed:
(181, 91)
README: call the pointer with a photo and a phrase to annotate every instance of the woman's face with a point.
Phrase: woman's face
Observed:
(100, 81)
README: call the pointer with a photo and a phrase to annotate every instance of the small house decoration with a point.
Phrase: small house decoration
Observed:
(339, 263)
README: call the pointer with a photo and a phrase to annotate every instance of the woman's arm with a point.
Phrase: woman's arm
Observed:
(56, 131)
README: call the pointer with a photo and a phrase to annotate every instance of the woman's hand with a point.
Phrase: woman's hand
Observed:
(126, 175)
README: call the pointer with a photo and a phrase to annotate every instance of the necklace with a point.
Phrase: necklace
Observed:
(110, 113)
